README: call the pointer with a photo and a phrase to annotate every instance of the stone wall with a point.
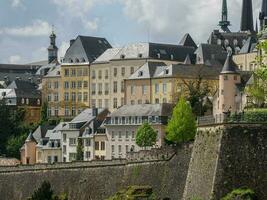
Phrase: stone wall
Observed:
(99, 180)
(226, 157)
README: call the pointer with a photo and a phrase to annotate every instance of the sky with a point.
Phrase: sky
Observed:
(25, 25)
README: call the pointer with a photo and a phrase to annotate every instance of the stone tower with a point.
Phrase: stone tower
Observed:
(30, 150)
(224, 23)
(52, 49)
(247, 16)
(228, 80)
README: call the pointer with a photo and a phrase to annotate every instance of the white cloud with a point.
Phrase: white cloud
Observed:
(37, 28)
(16, 3)
(92, 25)
(15, 59)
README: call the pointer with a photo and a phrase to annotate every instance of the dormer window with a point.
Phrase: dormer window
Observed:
(172, 57)
(140, 55)
(122, 56)
(140, 73)
(83, 60)
(22, 101)
(76, 60)
(158, 55)
(166, 71)
(71, 61)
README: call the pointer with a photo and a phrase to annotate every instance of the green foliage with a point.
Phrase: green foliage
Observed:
(45, 192)
(182, 126)
(146, 136)
(14, 144)
(242, 194)
(250, 116)
(44, 116)
(79, 155)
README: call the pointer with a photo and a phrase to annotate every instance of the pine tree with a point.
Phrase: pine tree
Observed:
(182, 126)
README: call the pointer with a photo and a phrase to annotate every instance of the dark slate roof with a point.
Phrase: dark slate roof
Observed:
(144, 110)
(229, 66)
(19, 68)
(40, 132)
(22, 85)
(30, 138)
(147, 70)
(86, 49)
(247, 16)
(154, 51)
(249, 46)
(211, 52)
(188, 41)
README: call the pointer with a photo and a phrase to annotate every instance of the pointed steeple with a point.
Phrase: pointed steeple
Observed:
(247, 16)
(263, 14)
(229, 66)
(224, 23)
(188, 41)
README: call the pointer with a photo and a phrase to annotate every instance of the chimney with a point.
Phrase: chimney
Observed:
(72, 41)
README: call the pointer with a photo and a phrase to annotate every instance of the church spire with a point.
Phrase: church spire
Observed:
(247, 16)
(224, 23)
(263, 14)
(52, 49)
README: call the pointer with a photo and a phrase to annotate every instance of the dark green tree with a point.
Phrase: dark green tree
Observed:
(44, 116)
(182, 126)
(14, 143)
(146, 136)
(44, 192)
(79, 155)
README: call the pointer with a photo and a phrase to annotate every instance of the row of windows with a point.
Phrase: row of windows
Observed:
(144, 89)
(140, 101)
(119, 149)
(55, 85)
(74, 84)
(133, 120)
(99, 88)
(106, 73)
(27, 101)
(76, 96)
(105, 104)
(126, 135)
(75, 72)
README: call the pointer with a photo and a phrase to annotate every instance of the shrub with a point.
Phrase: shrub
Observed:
(241, 194)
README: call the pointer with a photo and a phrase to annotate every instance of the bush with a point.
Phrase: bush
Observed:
(241, 194)
(250, 116)
(146, 136)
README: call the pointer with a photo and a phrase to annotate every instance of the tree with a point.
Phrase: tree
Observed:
(146, 136)
(44, 192)
(44, 116)
(182, 126)
(14, 144)
(79, 156)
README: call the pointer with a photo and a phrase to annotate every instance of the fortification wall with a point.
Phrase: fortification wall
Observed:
(226, 157)
(99, 180)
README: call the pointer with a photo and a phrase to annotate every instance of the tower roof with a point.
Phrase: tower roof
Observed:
(224, 23)
(188, 41)
(229, 66)
(247, 16)
(30, 138)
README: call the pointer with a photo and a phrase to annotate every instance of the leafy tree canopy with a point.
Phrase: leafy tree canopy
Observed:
(146, 136)
(182, 126)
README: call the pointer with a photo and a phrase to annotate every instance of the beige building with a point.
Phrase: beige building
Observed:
(28, 151)
(122, 125)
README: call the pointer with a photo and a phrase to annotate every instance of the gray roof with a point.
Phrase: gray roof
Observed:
(86, 49)
(107, 55)
(85, 116)
(55, 134)
(30, 138)
(249, 46)
(147, 70)
(154, 51)
(229, 66)
(54, 71)
(143, 110)
(188, 41)
(40, 132)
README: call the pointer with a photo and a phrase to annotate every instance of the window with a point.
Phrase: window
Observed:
(132, 89)
(112, 135)
(100, 74)
(73, 96)
(106, 74)
(96, 145)
(140, 73)
(157, 101)
(144, 89)
(73, 84)
(56, 84)
(115, 71)
(127, 148)
(66, 84)
(102, 146)
(56, 111)
(66, 96)
(49, 159)
(87, 154)
(100, 103)
(122, 86)
(85, 84)
(115, 86)
(27, 101)
(132, 70)
(120, 135)
(164, 88)
(72, 141)
(115, 103)
(106, 103)
(64, 137)
(49, 85)
(133, 136)
(79, 72)
(119, 149)
(55, 97)
(66, 72)
(106, 88)
(64, 149)
(79, 96)
(85, 72)
(235, 78)
(49, 112)
(156, 88)
(55, 159)
(93, 74)
(85, 96)
(49, 98)
(93, 103)
(132, 102)
(127, 135)
(73, 72)
(87, 142)
(73, 111)
(80, 84)
(225, 77)
(99, 88)
(123, 71)
(93, 89)
(112, 148)
(67, 112)
(122, 101)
